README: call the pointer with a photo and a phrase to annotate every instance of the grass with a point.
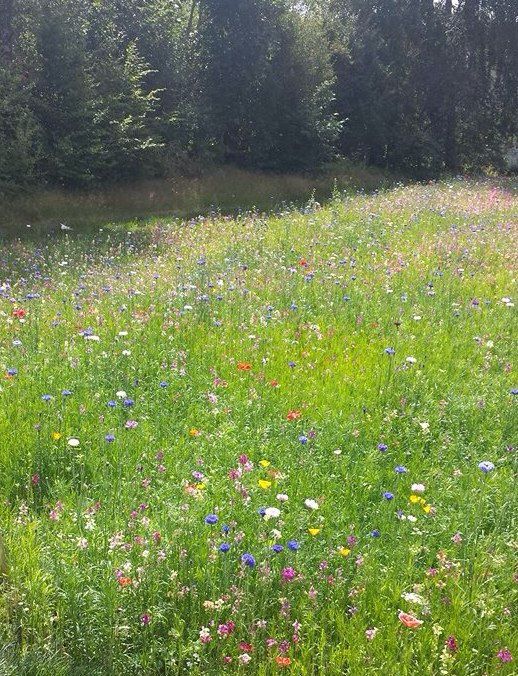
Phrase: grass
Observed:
(356, 358)
(227, 190)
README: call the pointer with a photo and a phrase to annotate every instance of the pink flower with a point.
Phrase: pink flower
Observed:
(504, 655)
(288, 574)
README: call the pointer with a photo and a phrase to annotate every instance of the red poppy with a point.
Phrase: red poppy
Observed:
(283, 661)
(19, 313)
(243, 366)
(293, 415)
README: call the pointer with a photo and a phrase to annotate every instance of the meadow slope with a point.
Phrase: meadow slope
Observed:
(264, 444)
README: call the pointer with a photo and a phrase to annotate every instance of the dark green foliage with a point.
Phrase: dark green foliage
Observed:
(96, 91)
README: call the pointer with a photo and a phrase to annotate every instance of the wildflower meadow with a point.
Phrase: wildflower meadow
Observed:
(264, 444)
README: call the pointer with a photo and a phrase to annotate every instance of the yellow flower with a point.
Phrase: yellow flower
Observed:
(194, 432)
(56, 435)
(343, 551)
(200, 487)
(414, 498)
(314, 531)
(264, 484)
(427, 508)
(264, 463)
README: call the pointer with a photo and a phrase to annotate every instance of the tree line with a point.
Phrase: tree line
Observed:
(106, 90)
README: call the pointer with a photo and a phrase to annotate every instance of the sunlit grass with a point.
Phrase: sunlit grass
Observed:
(350, 366)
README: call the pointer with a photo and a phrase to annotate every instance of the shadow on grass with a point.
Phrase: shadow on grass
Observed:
(226, 191)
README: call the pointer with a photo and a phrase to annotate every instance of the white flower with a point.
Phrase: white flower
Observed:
(418, 488)
(126, 353)
(272, 513)
(94, 338)
(311, 504)
(73, 442)
(411, 360)
(413, 598)
(282, 497)
(123, 333)
(121, 394)
(82, 543)
(412, 518)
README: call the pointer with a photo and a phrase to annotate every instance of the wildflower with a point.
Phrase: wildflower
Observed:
(409, 620)
(382, 447)
(344, 551)
(390, 350)
(303, 439)
(293, 415)
(19, 313)
(110, 438)
(282, 497)
(130, 424)
(283, 661)
(248, 560)
(243, 366)
(504, 655)
(287, 574)
(371, 633)
(388, 495)
(314, 531)
(451, 644)
(204, 635)
(244, 658)
(211, 519)
(264, 484)
(124, 581)
(400, 469)
(145, 619)
(264, 463)
(457, 538)
(311, 504)
(417, 488)
(277, 548)
(486, 466)
(375, 533)
(271, 513)
(73, 442)
(293, 545)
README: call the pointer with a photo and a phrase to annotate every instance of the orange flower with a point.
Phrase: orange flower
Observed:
(124, 581)
(274, 383)
(303, 262)
(409, 620)
(293, 415)
(283, 661)
(243, 366)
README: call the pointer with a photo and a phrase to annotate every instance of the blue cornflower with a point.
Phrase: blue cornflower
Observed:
(248, 560)
(277, 548)
(111, 404)
(46, 397)
(66, 393)
(303, 439)
(261, 511)
(109, 438)
(291, 364)
(375, 533)
(12, 371)
(293, 306)
(128, 402)
(388, 495)
(225, 528)
(390, 350)
(513, 391)
(163, 383)
(211, 519)
(224, 547)
(486, 466)
(293, 545)
(382, 447)
(400, 469)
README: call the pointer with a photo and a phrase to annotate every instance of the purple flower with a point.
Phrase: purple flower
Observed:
(109, 438)
(145, 619)
(293, 545)
(375, 533)
(400, 469)
(486, 466)
(211, 519)
(303, 439)
(382, 447)
(390, 350)
(388, 495)
(224, 547)
(277, 548)
(248, 560)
